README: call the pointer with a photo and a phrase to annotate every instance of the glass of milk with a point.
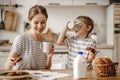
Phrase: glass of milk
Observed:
(46, 46)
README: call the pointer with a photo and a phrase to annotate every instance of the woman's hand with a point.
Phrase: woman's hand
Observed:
(13, 61)
(92, 53)
(49, 58)
(51, 52)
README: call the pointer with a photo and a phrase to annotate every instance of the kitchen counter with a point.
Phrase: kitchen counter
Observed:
(5, 48)
(104, 46)
(91, 75)
(61, 48)
(99, 46)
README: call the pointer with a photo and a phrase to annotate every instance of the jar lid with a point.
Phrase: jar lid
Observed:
(80, 52)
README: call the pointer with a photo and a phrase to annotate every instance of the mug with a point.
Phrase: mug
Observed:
(46, 46)
(74, 25)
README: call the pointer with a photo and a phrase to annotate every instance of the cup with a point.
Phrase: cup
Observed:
(74, 25)
(46, 47)
(71, 24)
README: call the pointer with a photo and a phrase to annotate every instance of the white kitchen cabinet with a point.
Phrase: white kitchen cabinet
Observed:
(55, 2)
(3, 57)
(91, 2)
(113, 17)
(72, 2)
(110, 24)
(59, 61)
(117, 47)
(105, 53)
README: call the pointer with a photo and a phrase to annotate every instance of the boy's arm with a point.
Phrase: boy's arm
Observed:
(62, 36)
(92, 55)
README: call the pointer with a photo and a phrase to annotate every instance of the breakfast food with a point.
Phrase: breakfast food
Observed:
(14, 73)
(92, 50)
(20, 72)
(99, 61)
(105, 67)
(103, 61)
(107, 60)
(10, 73)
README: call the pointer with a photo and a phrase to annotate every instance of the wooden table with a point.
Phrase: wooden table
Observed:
(91, 75)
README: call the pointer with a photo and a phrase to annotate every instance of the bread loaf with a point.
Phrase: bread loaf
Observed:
(106, 65)
(20, 72)
(103, 61)
(99, 61)
(11, 73)
(107, 60)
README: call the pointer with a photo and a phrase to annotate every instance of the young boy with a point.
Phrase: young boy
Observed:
(80, 42)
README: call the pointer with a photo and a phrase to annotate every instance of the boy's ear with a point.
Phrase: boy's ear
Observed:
(89, 27)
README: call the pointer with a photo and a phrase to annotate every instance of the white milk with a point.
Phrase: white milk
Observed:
(79, 67)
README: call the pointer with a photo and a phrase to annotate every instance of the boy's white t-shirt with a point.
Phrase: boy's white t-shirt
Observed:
(76, 44)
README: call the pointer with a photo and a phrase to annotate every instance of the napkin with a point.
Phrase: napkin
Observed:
(48, 75)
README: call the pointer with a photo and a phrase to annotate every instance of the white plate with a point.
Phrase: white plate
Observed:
(13, 77)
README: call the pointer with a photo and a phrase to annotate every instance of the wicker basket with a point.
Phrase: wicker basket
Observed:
(104, 70)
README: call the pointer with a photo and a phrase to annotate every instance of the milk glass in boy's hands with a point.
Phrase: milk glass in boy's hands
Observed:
(74, 25)
(71, 24)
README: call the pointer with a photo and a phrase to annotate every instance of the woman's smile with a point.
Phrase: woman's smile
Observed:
(40, 29)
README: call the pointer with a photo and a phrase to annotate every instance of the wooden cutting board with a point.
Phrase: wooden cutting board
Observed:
(10, 20)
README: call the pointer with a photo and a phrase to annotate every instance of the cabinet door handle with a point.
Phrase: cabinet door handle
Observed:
(54, 4)
(91, 3)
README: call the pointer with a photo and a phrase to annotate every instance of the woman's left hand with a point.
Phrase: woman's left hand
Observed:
(92, 53)
(51, 51)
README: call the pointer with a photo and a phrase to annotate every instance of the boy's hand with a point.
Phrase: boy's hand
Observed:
(67, 28)
(91, 52)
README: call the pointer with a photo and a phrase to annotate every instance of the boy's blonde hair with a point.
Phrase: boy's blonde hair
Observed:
(87, 20)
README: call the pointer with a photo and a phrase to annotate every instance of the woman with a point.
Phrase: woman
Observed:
(26, 52)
